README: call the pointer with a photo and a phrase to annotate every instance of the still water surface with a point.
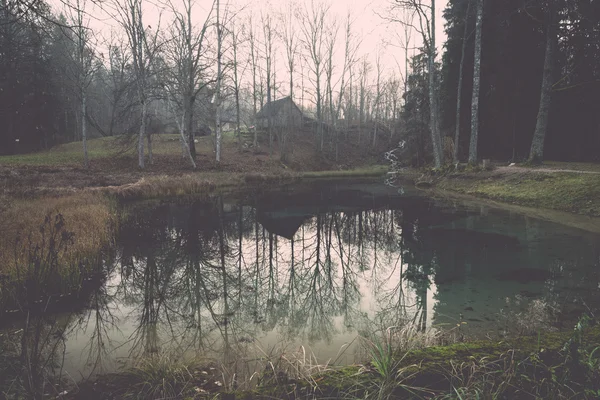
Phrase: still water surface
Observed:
(235, 279)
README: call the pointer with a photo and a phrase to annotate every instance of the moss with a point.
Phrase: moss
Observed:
(578, 193)
(572, 192)
(530, 362)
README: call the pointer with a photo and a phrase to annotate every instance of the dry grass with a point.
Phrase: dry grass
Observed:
(205, 183)
(87, 215)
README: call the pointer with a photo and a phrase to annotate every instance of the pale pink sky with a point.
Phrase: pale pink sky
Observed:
(377, 34)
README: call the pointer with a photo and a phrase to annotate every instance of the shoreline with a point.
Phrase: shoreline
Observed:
(412, 369)
(469, 187)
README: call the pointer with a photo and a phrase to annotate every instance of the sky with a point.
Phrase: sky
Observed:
(376, 33)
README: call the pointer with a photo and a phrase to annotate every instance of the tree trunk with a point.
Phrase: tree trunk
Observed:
(149, 136)
(436, 139)
(189, 125)
(536, 153)
(86, 161)
(218, 92)
(476, 86)
(141, 137)
(433, 123)
(460, 82)
(254, 109)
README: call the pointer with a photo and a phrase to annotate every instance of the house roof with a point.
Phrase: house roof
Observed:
(273, 107)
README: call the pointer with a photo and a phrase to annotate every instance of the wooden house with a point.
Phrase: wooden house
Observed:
(284, 113)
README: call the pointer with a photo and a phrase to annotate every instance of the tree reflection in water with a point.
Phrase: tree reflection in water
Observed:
(235, 281)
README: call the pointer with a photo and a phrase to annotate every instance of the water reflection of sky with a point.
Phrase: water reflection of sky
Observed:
(305, 273)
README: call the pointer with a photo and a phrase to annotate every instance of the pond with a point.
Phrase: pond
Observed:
(305, 271)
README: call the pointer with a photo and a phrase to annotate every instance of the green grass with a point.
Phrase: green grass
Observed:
(546, 365)
(578, 166)
(572, 192)
(106, 147)
(69, 153)
(373, 170)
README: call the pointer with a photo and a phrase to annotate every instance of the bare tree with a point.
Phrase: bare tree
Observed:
(351, 46)
(144, 48)
(187, 52)
(254, 62)
(330, 44)
(393, 102)
(119, 86)
(290, 41)
(476, 85)
(218, 133)
(362, 95)
(236, 40)
(313, 31)
(268, 37)
(378, 96)
(84, 66)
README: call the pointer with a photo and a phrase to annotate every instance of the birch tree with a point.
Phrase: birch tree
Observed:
(476, 85)
(83, 63)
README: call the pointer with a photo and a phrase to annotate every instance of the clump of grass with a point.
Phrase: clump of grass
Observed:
(387, 352)
(159, 379)
(538, 316)
(287, 367)
(46, 253)
(87, 215)
(161, 186)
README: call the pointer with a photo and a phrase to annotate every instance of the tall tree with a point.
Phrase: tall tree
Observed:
(476, 85)
(460, 84)
(254, 62)
(536, 153)
(268, 38)
(219, 27)
(143, 46)
(426, 27)
(83, 66)
(236, 40)
(313, 26)
(187, 52)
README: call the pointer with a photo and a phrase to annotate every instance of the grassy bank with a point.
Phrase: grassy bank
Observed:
(571, 192)
(49, 246)
(546, 365)
(204, 183)
(551, 188)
